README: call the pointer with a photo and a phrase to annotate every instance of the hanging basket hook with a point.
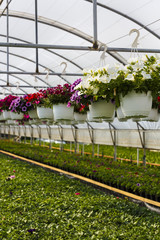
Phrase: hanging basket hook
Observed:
(64, 70)
(135, 42)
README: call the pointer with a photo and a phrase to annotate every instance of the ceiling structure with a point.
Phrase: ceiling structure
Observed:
(37, 38)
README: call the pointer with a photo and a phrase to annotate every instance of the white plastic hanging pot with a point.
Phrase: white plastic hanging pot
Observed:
(6, 115)
(90, 118)
(45, 113)
(62, 113)
(120, 115)
(102, 110)
(80, 117)
(136, 105)
(33, 114)
(16, 116)
(153, 116)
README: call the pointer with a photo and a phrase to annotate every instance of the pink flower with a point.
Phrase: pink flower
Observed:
(12, 176)
(77, 193)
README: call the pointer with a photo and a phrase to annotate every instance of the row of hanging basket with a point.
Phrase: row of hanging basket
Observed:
(131, 90)
(98, 111)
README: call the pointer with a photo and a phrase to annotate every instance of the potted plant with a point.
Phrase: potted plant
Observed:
(5, 104)
(79, 102)
(33, 100)
(41, 108)
(96, 85)
(19, 107)
(58, 97)
(154, 113)
(136, 85)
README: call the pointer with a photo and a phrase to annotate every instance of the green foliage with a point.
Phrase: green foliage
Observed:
(42, 205)
(140, 180)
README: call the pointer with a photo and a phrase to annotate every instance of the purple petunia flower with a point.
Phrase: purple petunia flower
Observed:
(16, 104)
(31, 230)
(138, 184)
(24, 109)
(28, 104)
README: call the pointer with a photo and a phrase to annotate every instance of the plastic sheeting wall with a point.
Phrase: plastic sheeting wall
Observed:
(126, 138)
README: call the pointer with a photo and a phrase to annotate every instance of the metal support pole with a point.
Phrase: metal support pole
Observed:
(9, 131)
(49, 135)
(19, 133)
(31, 134)
(95, 45)
(98, 150)
(144, 149)
(74, 132)
(60, 129)
(70, 147)
(83, 150)
(24, 134)
(142, 139)
(39, 134)
(137, 156)
(113, 136)
(7, 42)
(36, 33)
(91, 133)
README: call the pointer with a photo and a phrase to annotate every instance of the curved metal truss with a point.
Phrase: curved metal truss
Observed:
(127, 17)
(63, 27)
(28, 59)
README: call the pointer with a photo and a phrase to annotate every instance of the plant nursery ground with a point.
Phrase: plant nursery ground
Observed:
(38, 204)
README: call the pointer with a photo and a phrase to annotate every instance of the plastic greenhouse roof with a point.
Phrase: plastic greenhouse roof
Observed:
(69, 23)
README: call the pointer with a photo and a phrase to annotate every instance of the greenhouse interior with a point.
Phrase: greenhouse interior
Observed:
(80, 119)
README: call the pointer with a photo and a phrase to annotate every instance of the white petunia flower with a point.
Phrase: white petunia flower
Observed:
(146, 75)
(130, 77)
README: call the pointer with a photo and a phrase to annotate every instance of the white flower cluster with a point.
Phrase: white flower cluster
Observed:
(106, 74)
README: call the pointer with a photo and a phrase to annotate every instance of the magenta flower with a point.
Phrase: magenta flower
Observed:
(77, 193)
(12, 176)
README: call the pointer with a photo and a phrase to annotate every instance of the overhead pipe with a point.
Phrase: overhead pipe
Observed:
(82, 48)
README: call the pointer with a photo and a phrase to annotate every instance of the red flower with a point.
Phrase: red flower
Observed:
(77, 193)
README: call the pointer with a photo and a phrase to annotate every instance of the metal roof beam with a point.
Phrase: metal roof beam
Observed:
(84, 48)
(11, 85)
(13, 54)
(15, 76)
(63, 27)
(50, 51)
(41, 73)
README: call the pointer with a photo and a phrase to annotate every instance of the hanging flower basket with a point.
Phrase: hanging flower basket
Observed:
(80, 117)
(120, 115)
(90, 118)
(33, 114)
(136, 105)
(63, 113)
(6, 115)
(102, 110)
(45, 113)
(153, 116)
(16, 116)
